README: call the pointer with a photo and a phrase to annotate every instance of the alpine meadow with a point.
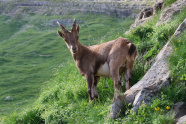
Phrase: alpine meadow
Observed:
(40, 82)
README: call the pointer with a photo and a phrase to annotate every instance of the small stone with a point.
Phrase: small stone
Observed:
(9, 98)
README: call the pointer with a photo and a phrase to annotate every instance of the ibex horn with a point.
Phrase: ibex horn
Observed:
(74, 25)
(63, 28)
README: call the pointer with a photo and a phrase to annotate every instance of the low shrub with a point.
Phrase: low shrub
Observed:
(143, 32)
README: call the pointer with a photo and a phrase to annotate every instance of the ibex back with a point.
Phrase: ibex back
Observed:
(109, 59)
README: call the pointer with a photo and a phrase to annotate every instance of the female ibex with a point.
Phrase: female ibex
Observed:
(105, 60)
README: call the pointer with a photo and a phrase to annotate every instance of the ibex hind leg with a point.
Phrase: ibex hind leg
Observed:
(128, 74)
(114, 73)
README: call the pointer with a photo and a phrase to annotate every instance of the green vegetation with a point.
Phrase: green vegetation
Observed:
(178, 67)
(34, 54)
(178, 59)
(156, 113)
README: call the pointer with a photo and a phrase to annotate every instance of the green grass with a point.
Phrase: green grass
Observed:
(178, 66)
(65, 99)
(9, 26)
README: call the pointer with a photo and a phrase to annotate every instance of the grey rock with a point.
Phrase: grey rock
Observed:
(147, 14)
(181, 28)
(181, 120)
(9, 98)
(116, 109)
(180, 109)
(159, 5)
(171, 11)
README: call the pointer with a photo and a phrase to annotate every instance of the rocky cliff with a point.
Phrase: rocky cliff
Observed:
(120, 8)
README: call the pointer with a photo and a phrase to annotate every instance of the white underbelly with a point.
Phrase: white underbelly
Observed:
(104, 70)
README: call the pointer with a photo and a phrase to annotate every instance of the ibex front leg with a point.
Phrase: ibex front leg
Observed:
(96, 79)
(90, 83)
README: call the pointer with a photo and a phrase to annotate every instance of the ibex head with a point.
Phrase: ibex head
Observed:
(70, 37)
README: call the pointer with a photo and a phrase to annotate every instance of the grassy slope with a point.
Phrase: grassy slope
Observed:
(31, 50)
(23, 69)
(64, 99)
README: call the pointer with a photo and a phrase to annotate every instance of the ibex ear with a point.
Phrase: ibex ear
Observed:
(78, 28)
(61, 34)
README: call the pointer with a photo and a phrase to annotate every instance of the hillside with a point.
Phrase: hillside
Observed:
(32, 53)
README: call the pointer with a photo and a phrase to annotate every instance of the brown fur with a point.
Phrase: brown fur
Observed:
(113, 57)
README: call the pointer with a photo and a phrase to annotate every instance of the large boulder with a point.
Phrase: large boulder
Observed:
(147, 14)
(171, 11)
(142, 17)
